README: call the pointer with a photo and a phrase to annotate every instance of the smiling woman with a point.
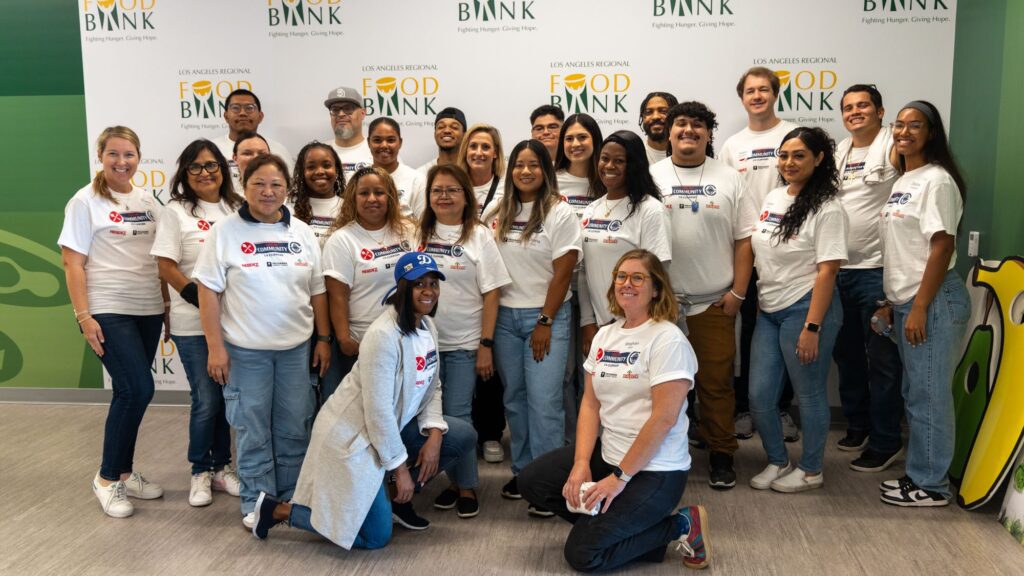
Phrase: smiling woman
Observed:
(385, 138)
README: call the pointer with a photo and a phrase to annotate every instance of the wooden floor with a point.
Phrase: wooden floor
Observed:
(54, 524)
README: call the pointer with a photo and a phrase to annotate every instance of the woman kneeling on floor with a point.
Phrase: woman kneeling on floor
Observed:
(386, 414)
(638, 372)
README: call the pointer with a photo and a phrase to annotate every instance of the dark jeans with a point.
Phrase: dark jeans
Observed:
(640, 523)
(209, 435)
(748, 317)
(129, 347)
(870, 371)
(489, 409)
(341, 364)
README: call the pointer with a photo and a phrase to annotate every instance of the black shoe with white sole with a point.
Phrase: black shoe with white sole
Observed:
(511, 490)
(911, 495)
(854, 441)
(896, 484)
(874, 461)
(721, 475)
(404, 515)
(539, 512)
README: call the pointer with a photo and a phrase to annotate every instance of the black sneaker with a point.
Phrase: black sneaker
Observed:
(854, 441)
(539, 512)
(722, 475)
(264, 519)
(511, 490)
(446, 500)
(874, 461)
(404, 514)
(695, 438)
(911, 495)
(467, 507)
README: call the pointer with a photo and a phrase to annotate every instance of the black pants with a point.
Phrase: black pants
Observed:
(639, 524)
(748, 317)
(489, 410)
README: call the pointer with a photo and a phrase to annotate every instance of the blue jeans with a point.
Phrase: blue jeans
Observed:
(458, 451)
(270, 404)
(533, 390)
(458, 381)
(128, 350)
(869, 364)
(773, 354)
(375, 531)
(927, 383)
(209, 436)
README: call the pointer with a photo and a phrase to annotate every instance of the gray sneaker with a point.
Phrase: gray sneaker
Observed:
(744, 423)
(790, 433)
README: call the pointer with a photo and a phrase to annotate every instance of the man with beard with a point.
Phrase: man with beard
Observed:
(347, 114)
(243, 114)
(449, 126)
(653, 111)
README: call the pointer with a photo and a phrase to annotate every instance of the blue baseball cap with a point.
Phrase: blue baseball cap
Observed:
(411, 266)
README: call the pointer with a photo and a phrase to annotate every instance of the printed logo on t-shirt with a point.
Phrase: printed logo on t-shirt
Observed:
(773, 218)
(694, 190)
(203, 225)
(758, 154)
(453, 250)
(602, 225)
(852, 171)
(374, 253)
(130, 217)
(321, 222)
(899, 198)
(271, 248)
(518, 227)
(617, 358)
(429, 362)
(577, 201)
(353, 166)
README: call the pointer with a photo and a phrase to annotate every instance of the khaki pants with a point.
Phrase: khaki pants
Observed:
(712, 335)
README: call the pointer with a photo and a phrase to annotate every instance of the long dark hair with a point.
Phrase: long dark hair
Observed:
(470, 217)
(936, 149)
(822, 185)
(401, 300)
(547, 196)
(596, 189)
(299, 194)
(183, 192)
(638, 171)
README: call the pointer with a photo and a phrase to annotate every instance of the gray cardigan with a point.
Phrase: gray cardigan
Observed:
(357, 434)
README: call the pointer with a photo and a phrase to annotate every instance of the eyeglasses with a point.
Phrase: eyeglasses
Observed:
(540, 128)
(196, 168)
(343, 110)
(637, 279)
(450, 191)
(236, 108)
(913, 127)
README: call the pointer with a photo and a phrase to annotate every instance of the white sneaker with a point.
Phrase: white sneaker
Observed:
(113, 498)
(139, 487)
(493, 452)
(200, 494)
(763, 481)
(226, 480)
(249, 520)
(798, 481)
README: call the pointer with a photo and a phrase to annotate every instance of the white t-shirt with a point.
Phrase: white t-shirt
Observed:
(654, 155)
(575, 191)
(786, 271)
(755, 156)
(227, 147)
(608, 233)
(412, 190)
(863, 202)
(364, 260)
(179, 236)
(324, 210)
(531, 263)
(353, 157)
(121, 276)
(924, 201)
(709, 211)
(423, 169)
(425, 353)
(625, 365)
(470, 270)
(481, 193)
(266, 275)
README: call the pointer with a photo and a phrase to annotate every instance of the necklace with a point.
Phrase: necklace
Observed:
(383, 235)
(609, 209)
(694, 202)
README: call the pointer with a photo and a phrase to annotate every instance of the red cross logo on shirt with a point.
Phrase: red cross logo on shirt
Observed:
(421, 363)
(366, 254)
(116, 218)
(600, 353)
(764, 215)
(248, 248)
(204, 225)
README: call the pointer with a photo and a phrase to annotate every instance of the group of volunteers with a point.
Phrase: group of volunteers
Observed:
(363, 325)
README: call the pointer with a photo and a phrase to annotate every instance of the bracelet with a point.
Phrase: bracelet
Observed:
(87, 317)
(738, 297)
(883, 303)
(82, 313)
(167, 304)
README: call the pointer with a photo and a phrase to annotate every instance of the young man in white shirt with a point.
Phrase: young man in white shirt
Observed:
(243, 112)
(653, 111)
(546, 125)
(710, 229)
(346, 109)
(752, 152)
(870, 371)
(449, 128)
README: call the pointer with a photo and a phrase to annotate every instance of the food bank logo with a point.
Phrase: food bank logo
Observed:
(904, 5)
(414, 95)
(692, 8)
(591, 93)
(807, 90)
(204, 99)
(118, 15)
(303, 13)
(494, 11)
(152, 180)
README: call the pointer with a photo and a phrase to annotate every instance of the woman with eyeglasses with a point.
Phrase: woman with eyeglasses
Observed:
(116, 295)
(201, 196)
(482, 157)
(261, 292)
(626, 473)
(799, 243)
(539, 239)
(369, 236)
(927, 304)
(451, 232)
(385, 138)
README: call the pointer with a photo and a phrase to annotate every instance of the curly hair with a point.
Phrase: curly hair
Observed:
(823, 184)
(299, 194)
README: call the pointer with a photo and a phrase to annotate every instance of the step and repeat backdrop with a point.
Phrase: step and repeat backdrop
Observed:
(163, 68)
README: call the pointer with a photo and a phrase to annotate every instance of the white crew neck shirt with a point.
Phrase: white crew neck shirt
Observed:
(755, 156)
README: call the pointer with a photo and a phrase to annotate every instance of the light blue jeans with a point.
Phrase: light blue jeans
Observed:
(772, 355)
(927, 382)
(533, 390)
(269, 401)
(458, 383)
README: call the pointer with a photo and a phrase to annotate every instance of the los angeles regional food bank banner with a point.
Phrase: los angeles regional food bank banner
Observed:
(164, 67)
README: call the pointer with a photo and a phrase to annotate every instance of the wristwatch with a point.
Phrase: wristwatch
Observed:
(545, 320)
(323, 338)
(812, 327)
(621, 475)
(487, 342)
